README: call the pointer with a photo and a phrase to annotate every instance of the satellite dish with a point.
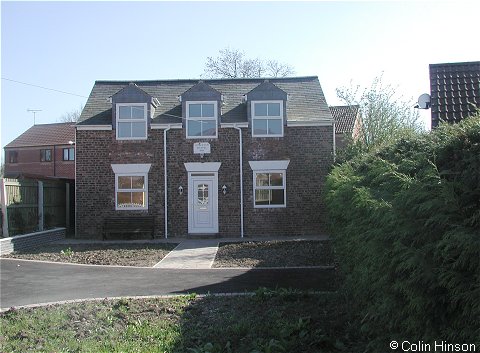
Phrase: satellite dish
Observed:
(423, 101)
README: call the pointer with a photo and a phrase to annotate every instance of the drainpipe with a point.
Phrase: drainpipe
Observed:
(334, 144)
(241, 178)
(165, 178)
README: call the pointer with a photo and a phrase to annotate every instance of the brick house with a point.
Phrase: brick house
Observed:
(43, 151)
(347, 124)
(454, 91)
(223, 157)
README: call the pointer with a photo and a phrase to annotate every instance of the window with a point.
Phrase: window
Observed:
(131, 186)
(269, 188)
(267, 118)
(69, 154)
(201, 119)
(12, 157)
(131, 191)
(269, 183)
(131, 121)
(46, 155)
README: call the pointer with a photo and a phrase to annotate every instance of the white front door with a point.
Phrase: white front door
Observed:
(202, 203)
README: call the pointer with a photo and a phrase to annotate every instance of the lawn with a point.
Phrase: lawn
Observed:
(293, 253)
(121, 254)
(267, 321)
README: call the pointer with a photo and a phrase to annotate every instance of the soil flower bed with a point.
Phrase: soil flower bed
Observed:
(124, 254)
(295, 253)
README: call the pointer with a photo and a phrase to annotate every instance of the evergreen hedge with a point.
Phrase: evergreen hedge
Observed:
(405, 219)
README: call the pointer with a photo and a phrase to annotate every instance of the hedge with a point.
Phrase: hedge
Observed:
(405, 220)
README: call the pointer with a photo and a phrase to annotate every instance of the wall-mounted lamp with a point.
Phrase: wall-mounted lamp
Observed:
(224, 189)
(180, 190)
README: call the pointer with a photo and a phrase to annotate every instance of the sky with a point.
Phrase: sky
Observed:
(66, 46)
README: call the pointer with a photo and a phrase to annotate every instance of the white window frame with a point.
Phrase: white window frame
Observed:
(118, 105)
(131, 170)
(70, 154)
(262, 167)
(215, 118)
(254, 117)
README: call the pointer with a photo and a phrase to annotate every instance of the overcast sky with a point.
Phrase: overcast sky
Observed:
(66, 46)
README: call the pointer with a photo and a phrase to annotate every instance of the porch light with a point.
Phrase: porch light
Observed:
(224, 189)
(180, 190)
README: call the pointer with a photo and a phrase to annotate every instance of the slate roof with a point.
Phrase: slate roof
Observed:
(45, 135)
(453, 86)
(306, 101)
(345, 116)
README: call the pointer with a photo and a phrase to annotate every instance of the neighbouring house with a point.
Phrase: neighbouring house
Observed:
(454, 91)
(347, 124)
(43, 151)
(222, 157)
(40, 185)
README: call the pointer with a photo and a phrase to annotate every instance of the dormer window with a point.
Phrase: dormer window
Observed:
(201, 119)
(267, 118)
(131, 121)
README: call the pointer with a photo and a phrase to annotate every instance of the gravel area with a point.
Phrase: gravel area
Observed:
(145, 255)
(275, 254)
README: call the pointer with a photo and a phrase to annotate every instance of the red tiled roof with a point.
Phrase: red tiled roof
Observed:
(455, 91)
(45, 135)
(344, 116)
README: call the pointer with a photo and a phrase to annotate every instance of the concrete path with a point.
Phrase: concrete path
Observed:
(33, 282)
(191, 254)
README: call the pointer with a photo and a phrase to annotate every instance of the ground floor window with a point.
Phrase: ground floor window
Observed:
(269, 189)
(131, 186)
(269, 183)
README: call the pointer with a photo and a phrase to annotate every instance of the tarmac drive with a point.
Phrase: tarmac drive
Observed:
(34, 282)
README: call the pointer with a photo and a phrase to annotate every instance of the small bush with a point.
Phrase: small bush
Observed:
(406, 226)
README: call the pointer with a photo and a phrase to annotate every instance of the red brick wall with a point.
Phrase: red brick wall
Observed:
(308, 148)
(28, 162)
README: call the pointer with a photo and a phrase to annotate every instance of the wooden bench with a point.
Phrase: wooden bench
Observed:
(129, 225)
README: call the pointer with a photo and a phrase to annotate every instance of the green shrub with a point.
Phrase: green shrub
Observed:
(406, 225)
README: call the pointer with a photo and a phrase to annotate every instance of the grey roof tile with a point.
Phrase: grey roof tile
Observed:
(305, 98)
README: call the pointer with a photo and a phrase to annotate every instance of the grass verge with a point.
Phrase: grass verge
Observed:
(268, 321)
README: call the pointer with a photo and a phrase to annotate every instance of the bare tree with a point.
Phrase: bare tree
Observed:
(231, 63)
(384, 114)
(71, 116)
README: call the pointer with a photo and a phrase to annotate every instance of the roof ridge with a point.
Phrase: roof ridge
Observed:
(206, 79)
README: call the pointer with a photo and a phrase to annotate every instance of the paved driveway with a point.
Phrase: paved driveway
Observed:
(31, 282)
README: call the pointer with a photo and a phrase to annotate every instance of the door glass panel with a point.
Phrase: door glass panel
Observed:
(202, 194)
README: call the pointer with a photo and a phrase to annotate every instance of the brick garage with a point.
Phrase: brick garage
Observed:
(308, 147)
